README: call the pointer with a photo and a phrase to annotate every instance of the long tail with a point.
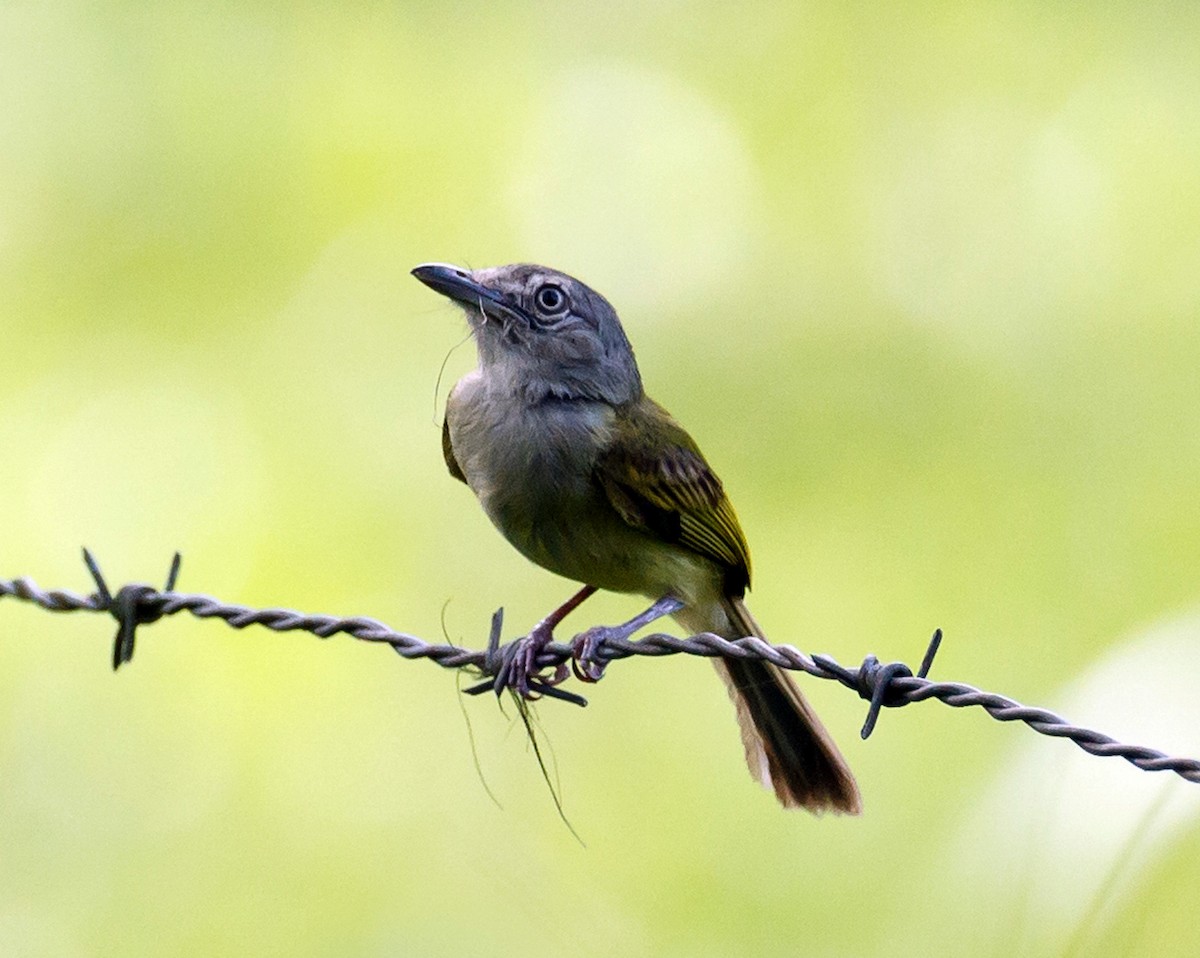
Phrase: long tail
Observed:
(787, 747)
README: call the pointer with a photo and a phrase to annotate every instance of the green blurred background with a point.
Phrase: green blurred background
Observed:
(922, 279)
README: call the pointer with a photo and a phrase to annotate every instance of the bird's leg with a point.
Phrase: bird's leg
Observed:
(521, 665)
(586, 662)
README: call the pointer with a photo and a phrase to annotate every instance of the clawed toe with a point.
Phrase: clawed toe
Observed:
(519, 667)
(586, 662)
(520, 670)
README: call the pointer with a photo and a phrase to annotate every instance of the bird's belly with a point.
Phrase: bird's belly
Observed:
(569, 528)
(533, 473)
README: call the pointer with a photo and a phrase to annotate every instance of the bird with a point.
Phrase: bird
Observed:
(588, 477)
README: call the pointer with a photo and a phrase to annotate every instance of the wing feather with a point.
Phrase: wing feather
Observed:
(657, 479)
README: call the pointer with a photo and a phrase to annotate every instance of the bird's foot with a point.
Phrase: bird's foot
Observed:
(520, 671)
(587, 661)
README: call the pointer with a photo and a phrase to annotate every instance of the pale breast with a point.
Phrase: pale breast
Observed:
(532, 468)
(530, 465)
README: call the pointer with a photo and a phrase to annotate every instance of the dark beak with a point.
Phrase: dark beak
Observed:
(457, 284)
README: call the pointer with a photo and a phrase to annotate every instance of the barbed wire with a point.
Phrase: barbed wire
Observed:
(889, 685)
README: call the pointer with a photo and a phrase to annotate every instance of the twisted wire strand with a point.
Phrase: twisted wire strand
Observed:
(888, 685)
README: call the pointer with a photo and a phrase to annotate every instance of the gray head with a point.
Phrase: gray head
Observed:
(541, 333)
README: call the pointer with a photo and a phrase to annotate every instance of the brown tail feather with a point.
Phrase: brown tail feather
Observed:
(787, 747)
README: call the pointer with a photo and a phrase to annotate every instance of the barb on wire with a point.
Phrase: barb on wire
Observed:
(888, 685)
(133, 605)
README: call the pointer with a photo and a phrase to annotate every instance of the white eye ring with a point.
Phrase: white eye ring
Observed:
(550, 299)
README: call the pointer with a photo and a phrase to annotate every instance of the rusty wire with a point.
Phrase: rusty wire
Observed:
(884, 685)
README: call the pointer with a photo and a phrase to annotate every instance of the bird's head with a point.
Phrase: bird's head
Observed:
(540, 332)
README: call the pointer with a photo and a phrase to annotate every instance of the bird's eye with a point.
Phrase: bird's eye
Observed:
(550, 299)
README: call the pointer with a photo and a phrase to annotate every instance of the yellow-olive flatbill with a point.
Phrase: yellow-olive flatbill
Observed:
(590, 478)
